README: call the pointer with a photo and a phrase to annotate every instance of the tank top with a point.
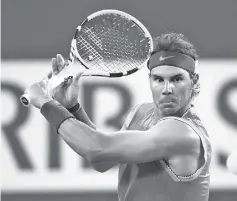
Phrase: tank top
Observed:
(155, 181)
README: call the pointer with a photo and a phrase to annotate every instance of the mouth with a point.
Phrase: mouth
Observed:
(167, 103)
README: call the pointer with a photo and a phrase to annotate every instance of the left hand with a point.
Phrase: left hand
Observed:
(67, 93)
(39, 93)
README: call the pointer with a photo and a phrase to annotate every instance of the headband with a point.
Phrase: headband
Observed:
(172, 59)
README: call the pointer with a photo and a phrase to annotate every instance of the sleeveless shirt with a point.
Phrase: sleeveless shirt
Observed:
(156, 181)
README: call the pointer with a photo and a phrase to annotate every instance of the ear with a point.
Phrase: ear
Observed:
(196, 86)
(195, 80)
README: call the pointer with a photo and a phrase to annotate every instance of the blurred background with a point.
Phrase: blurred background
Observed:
(36, 163)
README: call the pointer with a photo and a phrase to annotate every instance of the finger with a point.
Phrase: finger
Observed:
(54, 66)
(60, 62)
(49, 75)
(77, 77)
(59, 87)
(66, 63)
(26, 91)
(43, 83)
(68, 81)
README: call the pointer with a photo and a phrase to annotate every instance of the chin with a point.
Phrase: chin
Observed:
(169, 111)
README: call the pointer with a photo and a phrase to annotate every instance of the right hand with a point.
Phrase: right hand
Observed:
(68, 92)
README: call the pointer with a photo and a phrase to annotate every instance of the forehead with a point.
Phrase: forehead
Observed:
(168, 71)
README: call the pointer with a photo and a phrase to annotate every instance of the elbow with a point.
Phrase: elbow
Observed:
(95, 155)
(96, 151)
(91, 157)
(98, 154)
(94, 160)
(101, 170)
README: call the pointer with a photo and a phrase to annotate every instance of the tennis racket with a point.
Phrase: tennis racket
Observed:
(108, 43)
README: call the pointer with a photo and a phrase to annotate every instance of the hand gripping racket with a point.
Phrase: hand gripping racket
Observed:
(108, 43)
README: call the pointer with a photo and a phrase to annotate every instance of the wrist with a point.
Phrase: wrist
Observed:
(75, 108)
(43, 101)
(72, 103)
(55, 113)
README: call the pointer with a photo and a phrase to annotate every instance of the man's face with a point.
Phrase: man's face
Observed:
(171, 88)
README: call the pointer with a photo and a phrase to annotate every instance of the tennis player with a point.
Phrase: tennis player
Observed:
(163, 150)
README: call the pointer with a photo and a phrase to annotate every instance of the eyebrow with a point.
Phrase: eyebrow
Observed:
(174, 76)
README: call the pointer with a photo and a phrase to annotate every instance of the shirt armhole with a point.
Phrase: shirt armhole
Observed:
(193, 176)
(131, 116)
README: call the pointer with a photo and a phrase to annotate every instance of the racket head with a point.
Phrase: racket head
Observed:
(111, 43)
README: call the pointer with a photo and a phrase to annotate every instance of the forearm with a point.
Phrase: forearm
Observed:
(81, 138)
(86, 142)
(81, 115)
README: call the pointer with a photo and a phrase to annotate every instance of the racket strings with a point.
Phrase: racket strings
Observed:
(127, 65)
(97, 59)
(94, 37)
(83, 43)
(98, 35)
(126, 53)
(103, 33)
(115, 48)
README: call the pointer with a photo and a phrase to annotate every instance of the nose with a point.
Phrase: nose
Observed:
(167, 90)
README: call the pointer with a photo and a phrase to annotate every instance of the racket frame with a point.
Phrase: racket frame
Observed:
(74, 53)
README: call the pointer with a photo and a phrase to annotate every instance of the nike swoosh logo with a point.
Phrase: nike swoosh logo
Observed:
(164, 58)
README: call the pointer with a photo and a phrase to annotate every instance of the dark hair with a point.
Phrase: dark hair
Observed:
(174, 42)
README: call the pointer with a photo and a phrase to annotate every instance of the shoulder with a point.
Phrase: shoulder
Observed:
(180, 136)
(181, 126)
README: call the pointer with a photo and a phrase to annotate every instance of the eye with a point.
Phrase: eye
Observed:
(159, 79)
(177, 79)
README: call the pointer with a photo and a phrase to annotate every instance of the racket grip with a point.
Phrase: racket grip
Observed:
(25, 100)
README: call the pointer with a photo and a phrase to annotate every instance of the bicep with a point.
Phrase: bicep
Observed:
(128, 147)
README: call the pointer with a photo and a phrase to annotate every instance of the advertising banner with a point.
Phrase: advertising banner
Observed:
(34, 158)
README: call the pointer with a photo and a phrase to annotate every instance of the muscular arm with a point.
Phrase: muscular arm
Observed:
(166, 139)
(130, 146)
(81, 115)
(97, 165)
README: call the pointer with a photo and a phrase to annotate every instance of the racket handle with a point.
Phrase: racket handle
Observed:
(55, 81)
(25, 100)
